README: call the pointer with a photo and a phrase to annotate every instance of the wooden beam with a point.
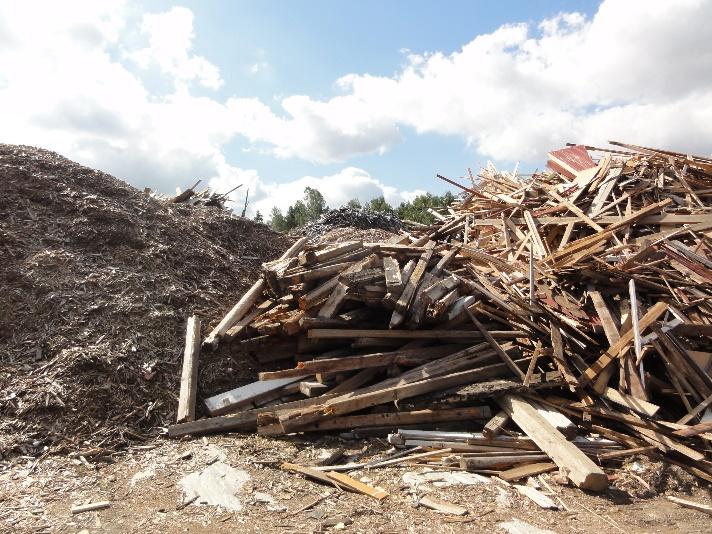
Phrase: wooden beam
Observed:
(189, 374)
(529, 470)
(243, 395)
(579, 468)
(326, 333)
(414, 417)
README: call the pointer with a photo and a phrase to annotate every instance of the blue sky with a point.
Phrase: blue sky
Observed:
(309, 44)
(356, 99)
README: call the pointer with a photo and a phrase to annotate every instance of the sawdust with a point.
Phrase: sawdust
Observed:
(98, 278)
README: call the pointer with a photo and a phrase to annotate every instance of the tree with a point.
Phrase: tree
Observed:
(258, 216)
(417, 209)
(380, 204)
(277, 220)
(354, 204)
(296, 215)
(314, 203)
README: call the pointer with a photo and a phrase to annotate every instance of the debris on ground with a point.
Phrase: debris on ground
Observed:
(560, 321)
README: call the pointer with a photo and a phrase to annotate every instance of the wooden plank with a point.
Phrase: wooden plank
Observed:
(358, 486)
(325, 333)
(318, 294)
(312, 473)
(558, 355)
(701, 407)
(539, 249)
(604, 314)
(243, 395)
(529, 470)
(537, 497)
(495, 425)
(414, 280)
(240, 421)
(640, 406)
(579, 468)
(241, 326)
(481, 463)
(441, 506)
(694, 430)
(99, 505)
(704, 508)
(313, 257)
(189, 374)
(589, 241)
(334, 302)
(394, 419)
(394, 281)
(356, 381)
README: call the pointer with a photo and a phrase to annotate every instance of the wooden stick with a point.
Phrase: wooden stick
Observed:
(495, 346)
(99, 505)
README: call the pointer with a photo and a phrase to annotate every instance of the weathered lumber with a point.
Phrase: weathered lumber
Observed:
(99, 505)
(495, 425)
(358, 486)
(471, 413)
(244, 395)
(579, 468)
(313, 257)
(248, 299)
(441, 506)
(614, 351)
(189, 374)
(319, 333)
(528, 470)
(411, 285)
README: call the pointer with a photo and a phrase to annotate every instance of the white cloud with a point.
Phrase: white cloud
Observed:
(63, 86)
(72, 81)
(516, 92)
(337, 189)
(170, 37)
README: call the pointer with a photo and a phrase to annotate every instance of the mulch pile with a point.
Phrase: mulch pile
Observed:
(363, 219)
(98, 279)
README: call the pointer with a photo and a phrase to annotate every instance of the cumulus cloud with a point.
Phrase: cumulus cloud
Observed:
(170, 38)
(517, 91)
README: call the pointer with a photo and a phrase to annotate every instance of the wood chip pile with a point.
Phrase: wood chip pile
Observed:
(563, 318)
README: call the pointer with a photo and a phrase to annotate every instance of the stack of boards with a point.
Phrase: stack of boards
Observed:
(563, 318)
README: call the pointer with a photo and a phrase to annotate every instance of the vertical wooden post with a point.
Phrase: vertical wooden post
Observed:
(189, 375)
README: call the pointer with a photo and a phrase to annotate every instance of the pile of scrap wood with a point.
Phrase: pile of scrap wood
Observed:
(564, 318)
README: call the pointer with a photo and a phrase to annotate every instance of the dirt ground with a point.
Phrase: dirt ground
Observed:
(144, 488)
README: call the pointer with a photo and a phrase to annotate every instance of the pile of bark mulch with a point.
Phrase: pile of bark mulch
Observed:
(97, 281)
(364, 219)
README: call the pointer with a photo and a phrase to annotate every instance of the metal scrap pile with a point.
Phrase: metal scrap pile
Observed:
(564, 319)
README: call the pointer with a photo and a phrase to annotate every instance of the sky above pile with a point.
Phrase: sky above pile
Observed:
(358, 99)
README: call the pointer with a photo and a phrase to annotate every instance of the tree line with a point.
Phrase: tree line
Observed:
(312, 205)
